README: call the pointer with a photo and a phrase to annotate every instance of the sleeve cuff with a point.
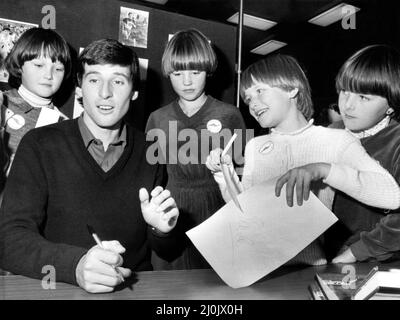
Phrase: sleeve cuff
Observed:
(334, 175)
(360, 251)
(341, 179)
(158, 233)
(68, 269)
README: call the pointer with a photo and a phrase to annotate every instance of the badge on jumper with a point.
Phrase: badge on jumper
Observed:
(14, 121)
(214, 126)
(266, 147)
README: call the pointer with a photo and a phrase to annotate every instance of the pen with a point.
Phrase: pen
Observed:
(229, 144)
(98, 242)
(233, 189)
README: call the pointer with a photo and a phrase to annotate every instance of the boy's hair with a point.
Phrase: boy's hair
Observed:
(34, 43)
(284, 72)
(189, 50)
(373, 70)
(109, 51)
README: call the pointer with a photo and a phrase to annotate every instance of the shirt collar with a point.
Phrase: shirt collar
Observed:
(88, 136)
(294, 133)
(372, 131)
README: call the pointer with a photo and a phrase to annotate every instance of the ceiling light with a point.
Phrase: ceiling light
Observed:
(268, 47)
(252, 21)
(334, 14)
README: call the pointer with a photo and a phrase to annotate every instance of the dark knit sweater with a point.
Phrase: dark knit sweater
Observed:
(191, 182)
(55, 188)
(370, 232)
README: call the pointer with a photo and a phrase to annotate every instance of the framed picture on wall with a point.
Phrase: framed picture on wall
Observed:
(133, 27)
(10, 31)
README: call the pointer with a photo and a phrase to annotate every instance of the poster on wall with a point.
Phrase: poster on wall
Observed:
(10, 31)
(133, 27)
(143, 63)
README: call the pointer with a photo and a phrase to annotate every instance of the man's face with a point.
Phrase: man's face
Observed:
(106, 93)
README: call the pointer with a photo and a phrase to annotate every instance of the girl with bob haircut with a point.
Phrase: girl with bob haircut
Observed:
(189, 50)
(187, 61)
(297, 153)
(368, 84)
(38, 64)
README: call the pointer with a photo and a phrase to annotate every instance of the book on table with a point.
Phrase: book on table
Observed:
(316, 292)
(376, 285)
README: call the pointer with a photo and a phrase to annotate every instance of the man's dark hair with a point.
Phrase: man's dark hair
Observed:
(109, 51)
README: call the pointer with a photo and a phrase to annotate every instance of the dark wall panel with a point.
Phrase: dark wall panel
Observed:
(82, 21)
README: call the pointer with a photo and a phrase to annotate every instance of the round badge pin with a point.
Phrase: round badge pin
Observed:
(16, 122)
(214, 126)
(266, 147)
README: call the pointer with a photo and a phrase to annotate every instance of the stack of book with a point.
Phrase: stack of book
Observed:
(376, 285)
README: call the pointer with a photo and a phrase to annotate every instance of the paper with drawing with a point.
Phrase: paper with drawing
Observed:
(243, 247)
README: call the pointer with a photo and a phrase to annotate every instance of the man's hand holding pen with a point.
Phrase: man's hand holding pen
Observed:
(96, 271)
(99, 270)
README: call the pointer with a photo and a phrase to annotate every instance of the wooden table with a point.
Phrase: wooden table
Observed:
(289, 283)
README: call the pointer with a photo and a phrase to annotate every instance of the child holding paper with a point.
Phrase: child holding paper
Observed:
(298, 153)
(188, 60)
(369, 101)
(38, 63)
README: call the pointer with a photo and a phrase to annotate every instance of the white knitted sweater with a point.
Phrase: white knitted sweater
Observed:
(353, 171)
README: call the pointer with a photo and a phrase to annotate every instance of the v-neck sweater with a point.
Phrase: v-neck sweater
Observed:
(194, 118)
(56, 188)
(190, 182)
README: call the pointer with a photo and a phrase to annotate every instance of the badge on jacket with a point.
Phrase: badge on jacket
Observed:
(214, 126)
(14, 121)
(267, 147)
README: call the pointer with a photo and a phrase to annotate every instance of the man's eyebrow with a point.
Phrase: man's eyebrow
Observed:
(90, 73)
(114, 73)
(122, 74)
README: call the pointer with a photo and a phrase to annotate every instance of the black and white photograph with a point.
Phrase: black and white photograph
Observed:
(10, 31)
(205, 156)
(133, 27)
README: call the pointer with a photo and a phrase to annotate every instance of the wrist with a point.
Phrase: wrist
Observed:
(158, 232)
(324, 171)
(79, 271)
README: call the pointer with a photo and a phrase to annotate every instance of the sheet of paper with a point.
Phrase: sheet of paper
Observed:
(243, 247)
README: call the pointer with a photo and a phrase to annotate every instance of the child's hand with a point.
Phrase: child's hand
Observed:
(301, 177)
(214, 160)
(160, 212)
